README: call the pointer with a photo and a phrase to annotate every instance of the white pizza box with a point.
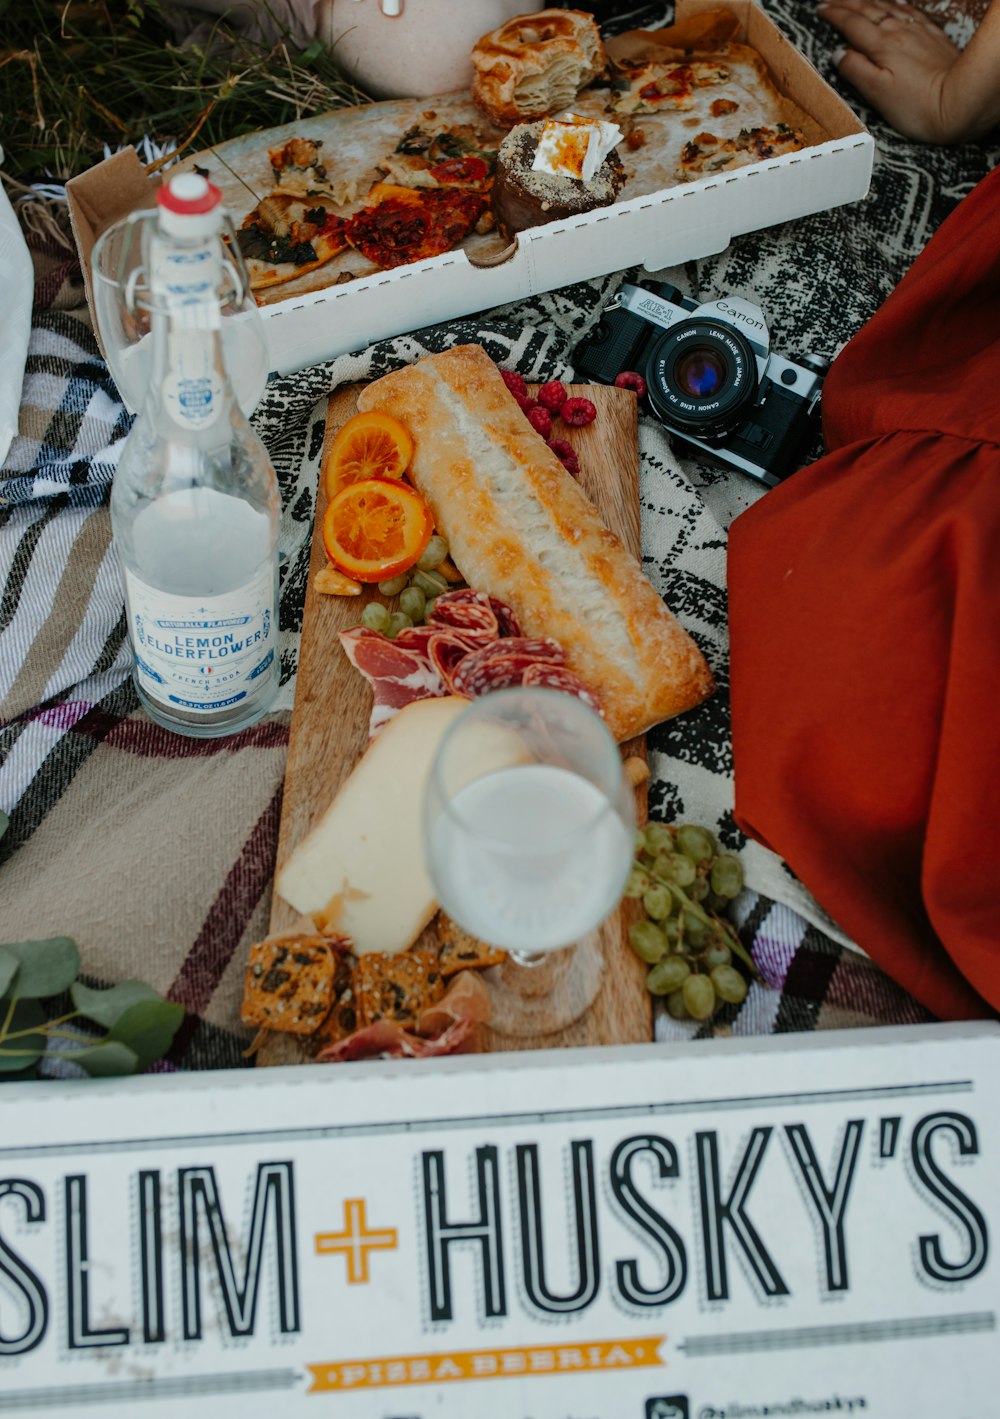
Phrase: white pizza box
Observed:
(719, 1229)
(662, 229)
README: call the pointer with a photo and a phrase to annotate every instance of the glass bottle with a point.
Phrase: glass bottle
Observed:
(195, 506)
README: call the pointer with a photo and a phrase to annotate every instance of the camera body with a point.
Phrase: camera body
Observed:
(710, 376)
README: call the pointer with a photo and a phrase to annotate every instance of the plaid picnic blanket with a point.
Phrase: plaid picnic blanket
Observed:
(156, 853)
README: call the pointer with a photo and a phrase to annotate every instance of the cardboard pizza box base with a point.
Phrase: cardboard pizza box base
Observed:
(662, 229)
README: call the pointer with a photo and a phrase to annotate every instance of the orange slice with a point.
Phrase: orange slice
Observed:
(376, 528)
(371, 445)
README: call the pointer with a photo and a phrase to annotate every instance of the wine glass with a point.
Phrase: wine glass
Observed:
(123, 308)
(529, 828)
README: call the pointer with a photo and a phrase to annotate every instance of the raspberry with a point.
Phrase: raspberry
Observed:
(514, 382)
(541, 420)
(526, 402)
(630, 379)
(552, 395)
(577, 412)
(566, 455)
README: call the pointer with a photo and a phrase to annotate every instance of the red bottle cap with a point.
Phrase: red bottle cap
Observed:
(188, 195)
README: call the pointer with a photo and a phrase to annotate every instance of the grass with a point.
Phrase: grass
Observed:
(78, 74)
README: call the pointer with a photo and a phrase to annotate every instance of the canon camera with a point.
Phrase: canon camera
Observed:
(710, 376)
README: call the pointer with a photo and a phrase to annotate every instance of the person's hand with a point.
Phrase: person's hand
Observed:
(903, 65)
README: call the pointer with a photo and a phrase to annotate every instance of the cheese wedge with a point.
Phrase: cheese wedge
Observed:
(360, 870)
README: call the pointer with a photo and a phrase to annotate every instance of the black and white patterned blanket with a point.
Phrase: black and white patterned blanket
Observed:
(65, 692)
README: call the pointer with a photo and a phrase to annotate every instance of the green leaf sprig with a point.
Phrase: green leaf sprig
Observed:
(137, 1024)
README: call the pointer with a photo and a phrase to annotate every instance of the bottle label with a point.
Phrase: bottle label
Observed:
(195, 653)
(185, 284)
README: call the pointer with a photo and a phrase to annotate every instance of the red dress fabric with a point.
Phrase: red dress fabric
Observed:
(864, 599)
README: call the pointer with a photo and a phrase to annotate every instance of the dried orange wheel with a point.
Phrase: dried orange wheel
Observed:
(371, 445)
(376, 528)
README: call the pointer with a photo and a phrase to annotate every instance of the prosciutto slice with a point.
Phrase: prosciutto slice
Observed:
(397, 674)
(445, 1028)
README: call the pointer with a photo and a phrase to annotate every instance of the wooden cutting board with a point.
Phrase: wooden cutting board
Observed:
(329, 734)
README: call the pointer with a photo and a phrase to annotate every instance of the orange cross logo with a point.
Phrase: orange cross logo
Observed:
(356, 1241)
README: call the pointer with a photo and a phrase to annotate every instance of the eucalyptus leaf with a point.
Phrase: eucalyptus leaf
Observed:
(148, 1028)
(106, 1006)
(46, 967)
(109, 1057)
(9, 967)
(21, 1053)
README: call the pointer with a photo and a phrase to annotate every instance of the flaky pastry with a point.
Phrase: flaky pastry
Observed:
(535, 64)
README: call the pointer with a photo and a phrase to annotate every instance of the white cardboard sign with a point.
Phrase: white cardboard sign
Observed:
(793, 1226)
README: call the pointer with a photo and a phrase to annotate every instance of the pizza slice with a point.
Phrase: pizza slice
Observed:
(706, 153)
(665, 87)
(451, 157)
(402, 224)
(296, 162)
(288, 234)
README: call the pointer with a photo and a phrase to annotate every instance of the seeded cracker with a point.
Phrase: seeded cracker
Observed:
(289, 983)
(396, 987)
(461, 952)
(342, 1020)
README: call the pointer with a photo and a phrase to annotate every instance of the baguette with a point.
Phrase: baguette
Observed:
(521, 529)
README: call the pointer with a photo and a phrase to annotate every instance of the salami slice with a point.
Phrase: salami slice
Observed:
(468, 612)
(557, 677)
(504, 663)
(447, 651)
(507, 622)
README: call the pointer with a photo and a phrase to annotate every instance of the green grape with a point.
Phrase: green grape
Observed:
(640, 842)
(394, 585)
(716, 954)
(712, 902)
(658, 902)
(660, 866)
(676, 1008)
(637, 884)
(647, 941)
(430, 583)
(429, 607)
(727, 875)
(668, 975)
(376, 616)
(671, 929)
(699, 996)
(695, 931)
(398, 621)
(696, 843)
(699, 889)
(433, 554)
(682, 869)
(729, 984)
(413, 602)
(658, 838)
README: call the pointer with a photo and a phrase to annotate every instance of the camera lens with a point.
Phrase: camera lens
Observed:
(701, 376)
(700, 371)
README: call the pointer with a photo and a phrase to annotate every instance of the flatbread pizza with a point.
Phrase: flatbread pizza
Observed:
(286, 235)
